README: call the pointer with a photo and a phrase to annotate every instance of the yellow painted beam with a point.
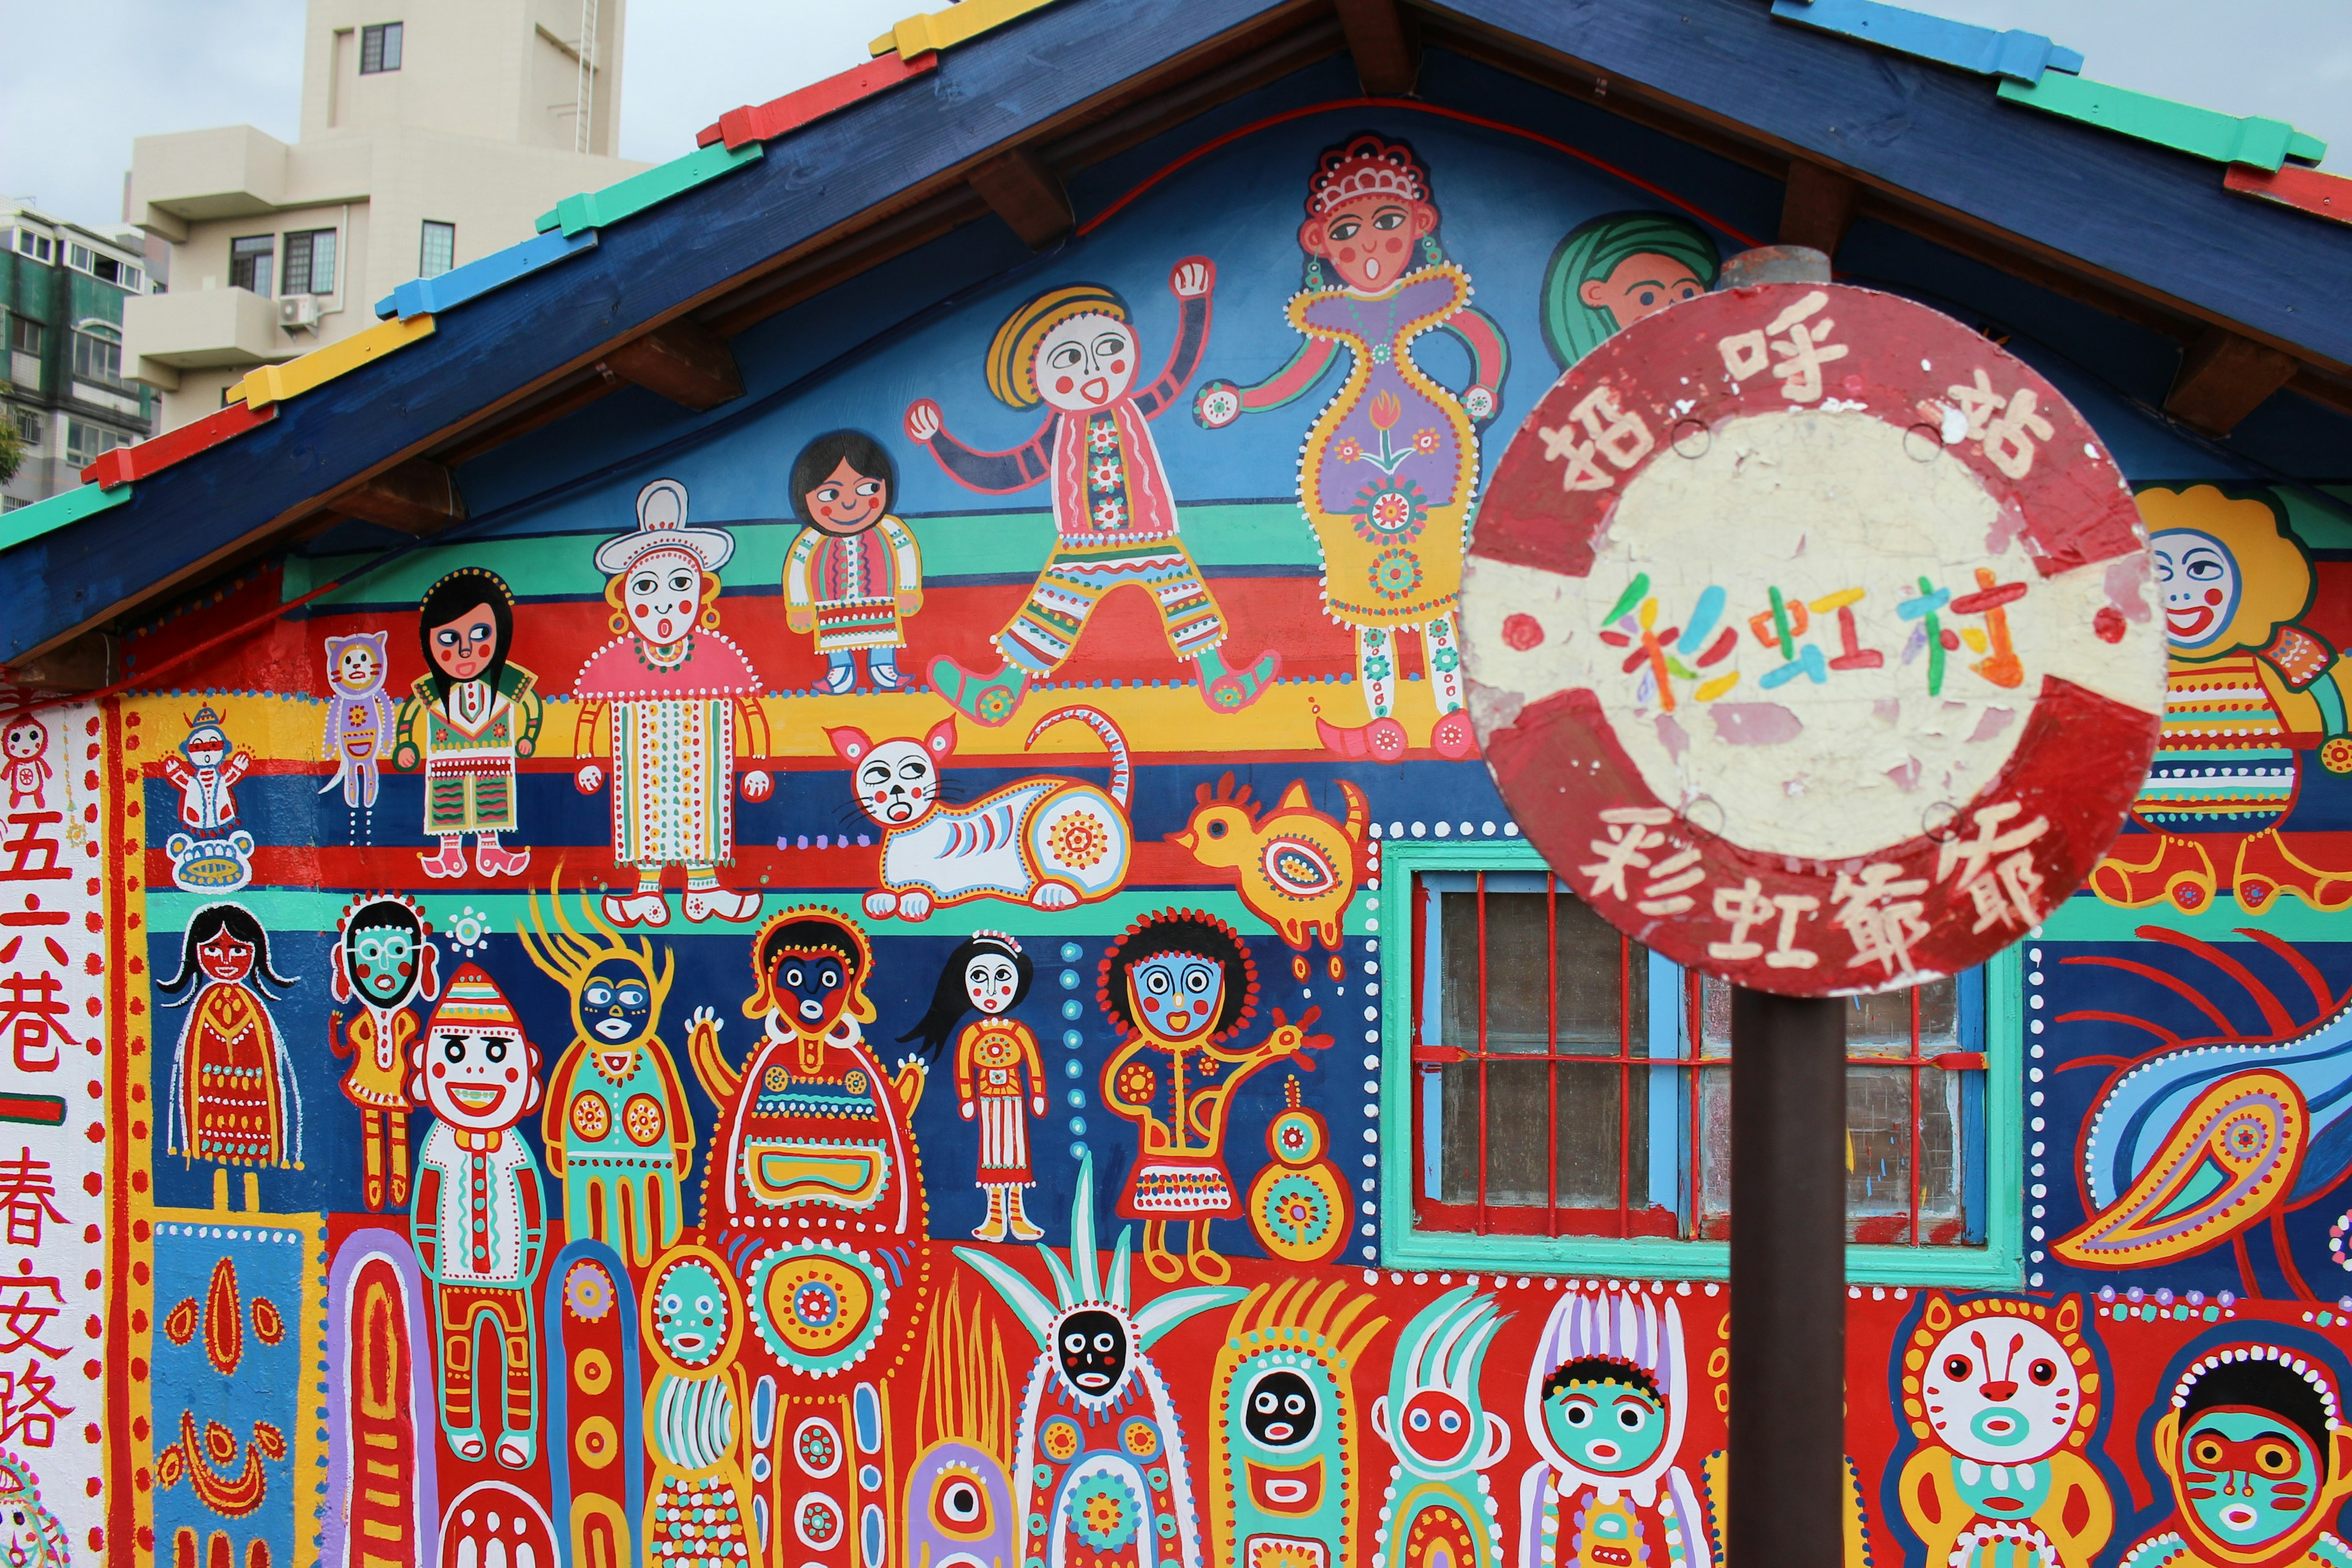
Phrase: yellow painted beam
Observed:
(938, 30)
(276, 383)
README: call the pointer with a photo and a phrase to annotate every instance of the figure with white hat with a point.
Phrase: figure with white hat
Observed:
(682, 699)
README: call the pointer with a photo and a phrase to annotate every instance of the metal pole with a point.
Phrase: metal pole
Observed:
(1787, 1454)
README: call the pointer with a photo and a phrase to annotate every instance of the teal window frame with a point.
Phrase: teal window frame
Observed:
(1998, 1264)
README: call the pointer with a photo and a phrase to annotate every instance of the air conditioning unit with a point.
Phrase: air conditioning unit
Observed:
(299, 313)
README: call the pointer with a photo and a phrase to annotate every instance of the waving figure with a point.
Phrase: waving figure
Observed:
(1439, 1508)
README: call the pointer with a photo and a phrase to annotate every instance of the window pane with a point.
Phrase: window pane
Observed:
(1585, 992)
(380, 48)
(1519, 1137)
(298, 264)
(24, 336)
(440, 250)
(249, 263)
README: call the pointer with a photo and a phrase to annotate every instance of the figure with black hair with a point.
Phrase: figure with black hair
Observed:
(2260, 1458)
(469, 718)
(234, 1100)
(987, 973)
(854, 576)
(384, 959)
(1179, 987)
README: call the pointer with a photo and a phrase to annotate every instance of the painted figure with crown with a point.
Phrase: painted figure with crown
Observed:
(214, 855)
(479, 1223)
(1390, 467)
(682, 701)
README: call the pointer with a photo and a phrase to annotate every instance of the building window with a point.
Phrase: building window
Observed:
(28, 427)
(380, 48)
(97, 355)
(79, 259)
(1558, 1096)
(10, 503)
(86, 443)
(39, 247)
(249, 263)
(439, 251)
(310, 262)
(121, 274)
(27, 339)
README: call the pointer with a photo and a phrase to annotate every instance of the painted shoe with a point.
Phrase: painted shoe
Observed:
(1382, 740)
(1235, 690)
(494, 859)
(1454, 739)
(2179, 869)
(838, 680)
(449, 860)
(650, 908)
(2267, 867)
(468, 1445)
(987, 699)
(516, 1450)
(703, 903)
(886, 676)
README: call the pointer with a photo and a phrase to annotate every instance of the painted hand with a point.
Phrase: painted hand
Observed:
(1037, 1105)
(799, 620)
(968, 1108)
(756, 784)
(404, 758)
(589, 779)
(1192, 277)
(922, 420)
(1217, 404)
(1292, 1039)
(910, 601)
(1479, 403)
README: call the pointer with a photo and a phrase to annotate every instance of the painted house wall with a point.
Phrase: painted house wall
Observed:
(251, 1358)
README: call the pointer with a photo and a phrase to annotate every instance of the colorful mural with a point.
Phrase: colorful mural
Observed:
(1116, 1091)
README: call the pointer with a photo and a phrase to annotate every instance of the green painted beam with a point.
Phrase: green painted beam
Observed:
(595, 209)
(2202, 132)
(29, 522)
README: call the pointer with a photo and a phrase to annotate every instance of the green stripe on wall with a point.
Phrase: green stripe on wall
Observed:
(2087, 918)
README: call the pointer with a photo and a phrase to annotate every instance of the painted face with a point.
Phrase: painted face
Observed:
(1177, 995)
(24, 740)
(224, 958)
(811, 986)
(477, 1082)
(1609, 1428)
(897, 783)
(1999, 1390)
(383, 962)
(355, 666)
(2249, 1477)
(690, 1314)
(1370, 242)
(1280, 1410)
(847, 501)
(616, 1006)
(1437, 1428)
(1090, 1345)
(206, 748)
(661, 594)
(990, 980)
(1086, 363)
(462, 647)
(1641, 285)
(2198, 579)
(959, 1510)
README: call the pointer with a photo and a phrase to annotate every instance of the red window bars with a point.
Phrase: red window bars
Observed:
(1549, 1101)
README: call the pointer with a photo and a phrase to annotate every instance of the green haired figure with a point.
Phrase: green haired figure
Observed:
(1610, 271)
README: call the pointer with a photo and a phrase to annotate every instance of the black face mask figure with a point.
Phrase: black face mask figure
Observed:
(1091, 1348)
(1280, 1410)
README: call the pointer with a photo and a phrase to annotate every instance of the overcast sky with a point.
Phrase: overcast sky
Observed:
(78, 81)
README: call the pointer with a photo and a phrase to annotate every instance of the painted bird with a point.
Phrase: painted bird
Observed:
(1296, 868)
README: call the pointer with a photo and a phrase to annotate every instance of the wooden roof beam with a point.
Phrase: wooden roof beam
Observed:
(683, 360)
(90, 662)
(2223, 378)
(1028, 196)
(1385, 43)
(1818, 206)
(417, 497)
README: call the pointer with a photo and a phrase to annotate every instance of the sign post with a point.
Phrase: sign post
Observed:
(1811, 641)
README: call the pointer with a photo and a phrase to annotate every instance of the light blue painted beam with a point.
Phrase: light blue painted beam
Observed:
(2020, 57)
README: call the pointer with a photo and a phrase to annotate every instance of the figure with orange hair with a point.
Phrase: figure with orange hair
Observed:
(2249, 689)
(1390, 465)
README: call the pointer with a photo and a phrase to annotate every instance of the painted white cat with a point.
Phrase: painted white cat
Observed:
(1049, 842)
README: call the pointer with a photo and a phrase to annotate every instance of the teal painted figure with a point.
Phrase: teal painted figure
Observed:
(1439, 1511)
(1611, 272)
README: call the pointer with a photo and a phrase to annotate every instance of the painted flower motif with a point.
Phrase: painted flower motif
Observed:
(1424, 441)
(1379, 667)
(1136, 1082)
(1139, 1437)
(1103, 473)
(2336, 756)
(1110, 513)
(1298, 1211)
(1391, 510)
(995, 705)
(1292, 1137)
(1348, 450)
(1381, 353)
(1395, 571)
(1444, 659)
(1060, 1440)
(1478, 403)
(1102, 435)
(1384, 410)
(1078, 840)
(469, 930)
(587, 1291)
(1105, 1512)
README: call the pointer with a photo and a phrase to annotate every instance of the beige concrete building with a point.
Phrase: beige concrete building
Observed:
(433, 132)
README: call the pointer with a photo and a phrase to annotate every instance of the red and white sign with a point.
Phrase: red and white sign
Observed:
(1811, 638)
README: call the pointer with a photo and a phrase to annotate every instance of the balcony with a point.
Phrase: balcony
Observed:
(191, 176)
(164, 334)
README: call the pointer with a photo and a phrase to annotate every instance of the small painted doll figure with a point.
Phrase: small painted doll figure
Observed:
(360, 715)
(1612, 271)
(1180, 986)
(1390, 465)
(31, 1536)
(470, 716)
(479, 1222)
(234, 1098)
(684, 705)
(385, 959)
(853, 575)
(2259, 1459)
(24, 749)
(996, 1068)
(1607, 1398)
(1100, 1453)
(1441, 1511)
(698, 1426)
(618, 1131)
(206, 771)
(1073, 348)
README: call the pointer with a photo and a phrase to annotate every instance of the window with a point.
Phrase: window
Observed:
(310, 262)
(250, 263)
(97, 355)
(25, 335)
(28, 427)
(10, 503)
(439, 251)
(27, 339)
(380, 48)
(39, 247)
(108, 269)
(1556, 1096)
(86, 443)
(78, 258)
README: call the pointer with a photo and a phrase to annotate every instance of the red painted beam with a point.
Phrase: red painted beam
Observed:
(2323, 196)
(764, 121)
(125, 464)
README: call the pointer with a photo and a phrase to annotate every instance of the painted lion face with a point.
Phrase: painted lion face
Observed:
(1999, 1390)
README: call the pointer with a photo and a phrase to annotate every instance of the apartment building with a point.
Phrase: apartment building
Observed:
(63, 288)
(432, 132)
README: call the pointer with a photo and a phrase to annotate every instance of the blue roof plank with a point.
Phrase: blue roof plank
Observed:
(430, 296)
(2020, 56)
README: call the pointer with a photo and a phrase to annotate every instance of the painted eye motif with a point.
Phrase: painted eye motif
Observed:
(1076, 1344)
(1103, 1343)
(2207, 1453)
(1578, 1415)
(1196, 979)
(2044, 1373)
(961, 1502)
(1418, 1420)
(1956, 1367)
(1156, 981)
(829, 979)
(495, 1049)
(2275, 1459)
(1629, 1416)
(1450, 1422)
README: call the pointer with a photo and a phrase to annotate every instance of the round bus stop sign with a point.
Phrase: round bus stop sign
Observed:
(1811, 638)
